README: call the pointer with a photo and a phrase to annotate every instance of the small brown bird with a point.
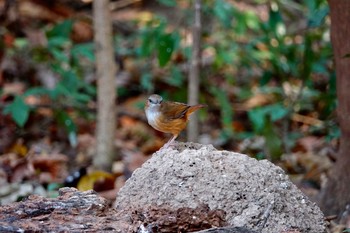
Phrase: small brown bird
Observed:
(167, 116)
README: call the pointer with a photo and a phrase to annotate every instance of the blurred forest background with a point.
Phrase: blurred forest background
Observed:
(266, 73)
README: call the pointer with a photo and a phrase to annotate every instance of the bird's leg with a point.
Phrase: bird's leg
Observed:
(166, 145)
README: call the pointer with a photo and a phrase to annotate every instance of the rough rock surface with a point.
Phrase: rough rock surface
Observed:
(72, 211)
(254, 194)
(75, 211)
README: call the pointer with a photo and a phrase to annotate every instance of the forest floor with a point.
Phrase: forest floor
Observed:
(41, 156)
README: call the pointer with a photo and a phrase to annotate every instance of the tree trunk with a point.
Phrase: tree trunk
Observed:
(193, 82)
(336, 193)
(106, 92)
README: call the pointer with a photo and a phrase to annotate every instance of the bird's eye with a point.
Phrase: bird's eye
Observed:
(155, 100)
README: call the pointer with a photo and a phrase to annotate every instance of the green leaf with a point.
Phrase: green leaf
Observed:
(58, 42)
(146, 81)
(260, 156)
(311, 5)
(275, 22)
(84, 50)
(81, 97)
(252, 20)
(226, 110)
(62, 29)
(308, 59)
(277, 111)
(169, 3)
(266, 77)
(241, 24)
(257, 117)
(147, 43)
(333, 132)
(60, 90)
(73, 139)
(36, 91)
(166, 44)
(148, 38)
(275, 19)
(176, 77)
(66, 121)
(21, 43)
(54, 186)
(89, 89)
(70, 80)
(59, 55)
(19, 111)
(224, 12)
(317, 17)
(273, 140)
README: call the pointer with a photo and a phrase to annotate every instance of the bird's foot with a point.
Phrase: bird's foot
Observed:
(169, 144)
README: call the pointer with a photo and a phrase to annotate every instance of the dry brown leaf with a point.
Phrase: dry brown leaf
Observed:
(54, 167)
(19, 148)
(22, 171)
(101, 179)
(82, 31)
(310, 143)
(152, 145)
(110, 194)
(8, 39)
(307, 120)
(15, 167)
(29, 9)
(238, 126)
(126, 121)
(86, 148)
(14, 88)
(311, 164)
(259, 99)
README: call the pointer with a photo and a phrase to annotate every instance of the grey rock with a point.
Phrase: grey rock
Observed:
(257, 195)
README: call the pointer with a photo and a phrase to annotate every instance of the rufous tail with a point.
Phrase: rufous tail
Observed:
(194, 108)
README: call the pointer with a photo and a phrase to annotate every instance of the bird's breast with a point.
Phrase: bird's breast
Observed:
(152, 117)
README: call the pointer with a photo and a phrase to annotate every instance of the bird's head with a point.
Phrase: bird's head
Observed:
(154, 100)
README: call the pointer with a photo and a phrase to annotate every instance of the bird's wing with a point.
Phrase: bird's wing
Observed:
(174, 110)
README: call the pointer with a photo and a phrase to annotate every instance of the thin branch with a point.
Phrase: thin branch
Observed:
(193, 82)
(286, 120)
(106, 89)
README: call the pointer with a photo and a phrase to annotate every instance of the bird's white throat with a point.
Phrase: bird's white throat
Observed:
(152, 113)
